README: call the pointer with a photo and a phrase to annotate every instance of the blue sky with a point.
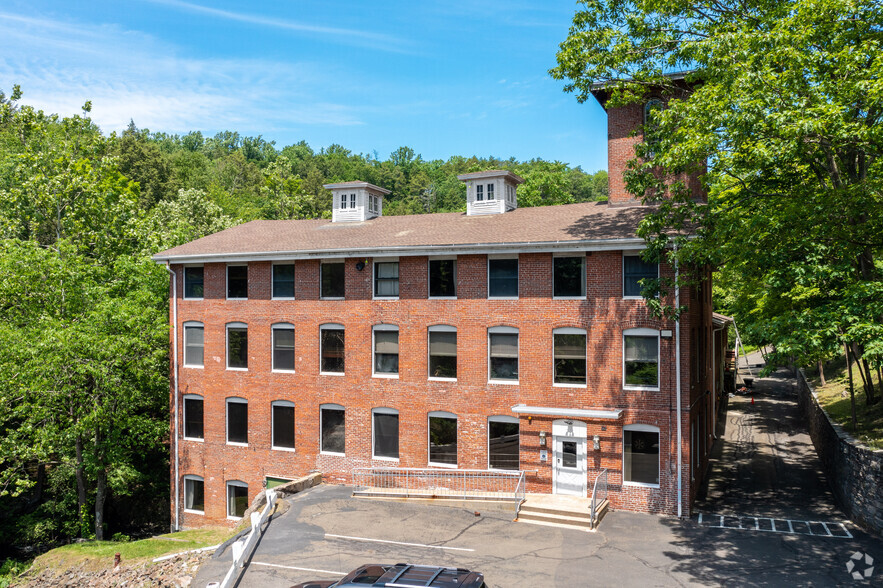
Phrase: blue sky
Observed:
(453, 77)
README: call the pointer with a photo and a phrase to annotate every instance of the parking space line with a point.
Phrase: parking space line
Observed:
(398, 542)
(743, 522)
(260, 563)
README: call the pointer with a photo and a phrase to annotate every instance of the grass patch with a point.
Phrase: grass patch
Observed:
(834, 397)
(99, 554)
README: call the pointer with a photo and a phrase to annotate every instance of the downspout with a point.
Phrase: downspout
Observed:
(175, 380)
(678, 378)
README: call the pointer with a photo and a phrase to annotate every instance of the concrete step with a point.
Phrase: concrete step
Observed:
(528, 508)
(558, 520)
(567, 516)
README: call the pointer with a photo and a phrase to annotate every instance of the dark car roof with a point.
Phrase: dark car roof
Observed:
(408, 575)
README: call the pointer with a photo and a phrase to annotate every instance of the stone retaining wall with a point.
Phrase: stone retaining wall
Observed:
(854, 471)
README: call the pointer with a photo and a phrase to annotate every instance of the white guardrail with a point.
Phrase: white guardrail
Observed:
(244, 546)
(599, 495)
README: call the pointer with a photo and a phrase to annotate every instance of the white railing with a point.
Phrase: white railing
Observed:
(243, 547)
(599, 495)
(441, 483)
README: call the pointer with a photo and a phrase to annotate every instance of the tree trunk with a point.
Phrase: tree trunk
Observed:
(851, 387)
(822, 371)
(872, 396)
(100, 496)
(81, 483)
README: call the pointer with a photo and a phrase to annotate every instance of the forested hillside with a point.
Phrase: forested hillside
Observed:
(84, 430)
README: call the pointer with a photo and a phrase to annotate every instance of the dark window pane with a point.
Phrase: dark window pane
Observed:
(333, 430)
(194, 345)
(568, 454)
(442, 277)
(237, 422)
(568, 276)
(641, 457)
(237, 281)
(332, 280)
(634, 270)
(194, 494)
(193, 282)
(237, 347)
(283, 281)
(193, 417)
(503, 356)
(442, 354)
(386, 279)
(570, 359)
(443, 440)
(386, 352)
(237, 500)
(503, 445)
(283, 349)
(386, 435)
(503, 277)
(332, 350)
(641, 361)
(283, 426)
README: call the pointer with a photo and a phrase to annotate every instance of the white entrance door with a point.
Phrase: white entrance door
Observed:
(569, 458)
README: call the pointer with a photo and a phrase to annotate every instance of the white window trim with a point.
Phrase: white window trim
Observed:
(488, 275)
(184, 281)
(193, 324)
(289, 404)
(584, 286)
(374, 329)
(570, 331)
(445, 415)
(281, 327)
(194, 478)
(273, 275)
(227, 402)
(501, 419)
(383, 410)
(332, 327)
(227, 280)
(440, 329)
(646, 429)
(643, 332)
(374, 263)
(632, 254)
(184, 417)
(238, 484)
(429, 276)
(322, 265)
(502, 331)
(331, 406)
(227, 327)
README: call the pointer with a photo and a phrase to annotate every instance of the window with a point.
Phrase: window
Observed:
(353, 201)
(237, 281)
(194, 494)
(442, 438)
(193, 417)
(283, 347)
(651, 125)
(342, 201)
(386, 433)
(332, 280)
(237, 346)
(386, 350)
(283, 280)
(641, 358)
(442, 278)
(569, 356)
(237, 421)
(635, 269)
(443, 352)
(283, 424)
(386, 279)
(479, 192)
(640, 454)
(332, 349)
(194, 344)
(502, 443)
(194, 282)
(503, 353)
(333, 429)
(502, 278)
(237, 499)
(490, 191)
(569, 277)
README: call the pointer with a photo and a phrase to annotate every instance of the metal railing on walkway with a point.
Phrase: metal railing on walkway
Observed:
(454, 484)
(599, 495)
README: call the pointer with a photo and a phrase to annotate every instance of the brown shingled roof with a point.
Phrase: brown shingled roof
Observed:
(573, 224)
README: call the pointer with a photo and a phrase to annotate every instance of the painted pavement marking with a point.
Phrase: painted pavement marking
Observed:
(269, 565)
(832, 529)
(398, 542)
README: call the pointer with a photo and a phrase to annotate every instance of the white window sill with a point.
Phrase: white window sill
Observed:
(232, 518)
(198, 512)
(194, 367)
(640, 485)
(449, 466)
(502, 297)
(641, 388)
(332, 298)
(334, 453)
(283, 298)
(386, 376)
(332, 373)
(632, 297)
(442, 297)
(504, 382)
(237, 298)
(233, 369)
(490, 469)
(442, 379)
(288, 449)
(378, 458)
(559, 385)
(194, 439)
(283, 371)
(583, 297)
(188, 298)
(235, 444)
(385, 298)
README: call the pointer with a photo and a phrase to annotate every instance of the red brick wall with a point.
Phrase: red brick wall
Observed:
(604, 314)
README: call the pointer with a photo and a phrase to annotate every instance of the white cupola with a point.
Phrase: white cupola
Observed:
(490, 192)
(355, 201)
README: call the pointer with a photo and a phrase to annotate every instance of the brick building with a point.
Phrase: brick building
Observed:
(502, 338)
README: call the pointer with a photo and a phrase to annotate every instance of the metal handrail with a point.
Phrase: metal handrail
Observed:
(599, 495)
